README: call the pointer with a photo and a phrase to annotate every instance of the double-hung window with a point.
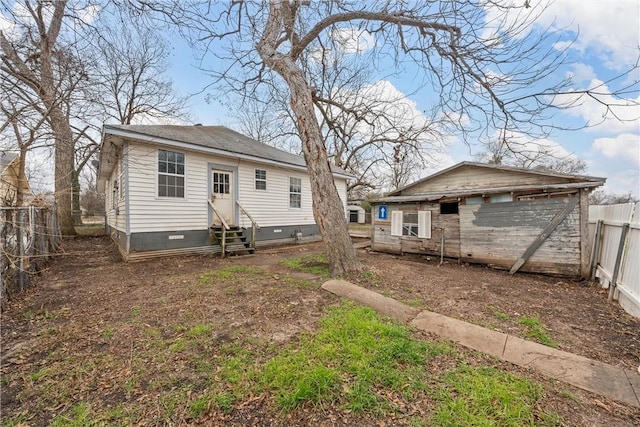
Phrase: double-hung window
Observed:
(295, 192)
(170, 174)
(411, 224)
(261, 179)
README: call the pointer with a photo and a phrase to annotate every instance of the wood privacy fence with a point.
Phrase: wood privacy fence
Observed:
(28, 235)
(615, 259)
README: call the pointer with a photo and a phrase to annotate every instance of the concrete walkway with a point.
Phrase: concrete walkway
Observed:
(616, 383)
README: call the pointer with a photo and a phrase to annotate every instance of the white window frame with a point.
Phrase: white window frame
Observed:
(293, 193)
(259, 180)
(400, 228)
(121, 178)
(177, 175)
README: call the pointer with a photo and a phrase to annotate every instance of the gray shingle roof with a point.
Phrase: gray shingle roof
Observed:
(216, 137)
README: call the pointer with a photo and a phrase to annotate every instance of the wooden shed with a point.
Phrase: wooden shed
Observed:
(512, 218)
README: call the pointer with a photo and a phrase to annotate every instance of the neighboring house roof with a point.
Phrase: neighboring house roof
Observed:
(213, 139)
(9, 163)
(5, 160)
(560, 181)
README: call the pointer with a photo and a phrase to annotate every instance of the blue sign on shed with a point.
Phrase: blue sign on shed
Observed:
(382, 212)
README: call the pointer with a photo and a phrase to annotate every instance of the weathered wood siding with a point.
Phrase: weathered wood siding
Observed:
(472, 177)
(382, 240)
(149, 213)
(499, 233)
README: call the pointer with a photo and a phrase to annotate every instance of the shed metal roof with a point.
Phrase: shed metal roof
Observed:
(430, 197)
(562, 176)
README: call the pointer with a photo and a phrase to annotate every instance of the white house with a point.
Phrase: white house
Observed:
(169, 188)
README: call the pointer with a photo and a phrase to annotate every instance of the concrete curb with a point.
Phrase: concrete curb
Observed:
(597, 377)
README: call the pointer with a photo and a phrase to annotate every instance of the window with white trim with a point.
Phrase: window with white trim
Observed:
(411, 224)
(170, 174)
(260, 179)
(295, 192)
(121, 178)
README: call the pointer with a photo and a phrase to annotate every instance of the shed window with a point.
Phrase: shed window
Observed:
(504, 197)
(448, 208)
(261, 179)
(412, 224)
(295, 192)
(474, 200)
(170, 174)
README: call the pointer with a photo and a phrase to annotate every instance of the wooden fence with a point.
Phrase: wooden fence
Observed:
(28, 235)
(616, 252)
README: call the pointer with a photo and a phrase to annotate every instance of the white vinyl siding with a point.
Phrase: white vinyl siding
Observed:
(152, 213)
(412, 224)
(270, 207)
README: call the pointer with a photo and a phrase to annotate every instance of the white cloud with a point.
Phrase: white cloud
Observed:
(353, 40)
(608, 28)
(626, 146)
(606, 114)
(581, 73)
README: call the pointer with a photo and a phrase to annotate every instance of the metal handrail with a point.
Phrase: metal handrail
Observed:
(253, 222)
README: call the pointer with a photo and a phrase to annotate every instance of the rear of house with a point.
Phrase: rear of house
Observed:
(512, 218)
(167, 186)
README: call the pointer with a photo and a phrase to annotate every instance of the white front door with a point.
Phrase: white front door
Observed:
(222, 196)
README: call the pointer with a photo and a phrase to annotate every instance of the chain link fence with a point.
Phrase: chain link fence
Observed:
(28, 236)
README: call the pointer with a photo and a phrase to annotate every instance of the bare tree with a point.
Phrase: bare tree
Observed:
(35, 56)
(604, 197)
(131, 76)
(543, 156)
(489, 68)
(370, 130)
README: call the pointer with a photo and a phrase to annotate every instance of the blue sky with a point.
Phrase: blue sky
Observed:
(607, 43)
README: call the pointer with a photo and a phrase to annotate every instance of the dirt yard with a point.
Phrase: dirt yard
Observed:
(90, 302)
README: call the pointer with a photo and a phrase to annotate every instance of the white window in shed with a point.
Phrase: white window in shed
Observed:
(503, 197)
(474, 201)
(416, 224)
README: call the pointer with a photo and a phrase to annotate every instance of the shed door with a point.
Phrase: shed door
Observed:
(222, 196)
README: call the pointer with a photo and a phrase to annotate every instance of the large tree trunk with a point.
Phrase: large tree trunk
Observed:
(64, 170)
(328, 209)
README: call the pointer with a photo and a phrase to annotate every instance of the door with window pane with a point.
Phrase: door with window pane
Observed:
(222, 196)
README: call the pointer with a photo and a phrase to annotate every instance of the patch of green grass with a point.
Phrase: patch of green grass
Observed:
(353, 354)
(235, 271)
(178, 345)
(414, 303)
(535, 330)
(15, 421)
(224, 401)
(311, 263)
(371, 277)
(198, 407)
(44, 372)
(205, 279)
(78, 416)
(135, 311)
(488, 397)
(298, 283)
(199, 330)
(498, 314)
(107, 334)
